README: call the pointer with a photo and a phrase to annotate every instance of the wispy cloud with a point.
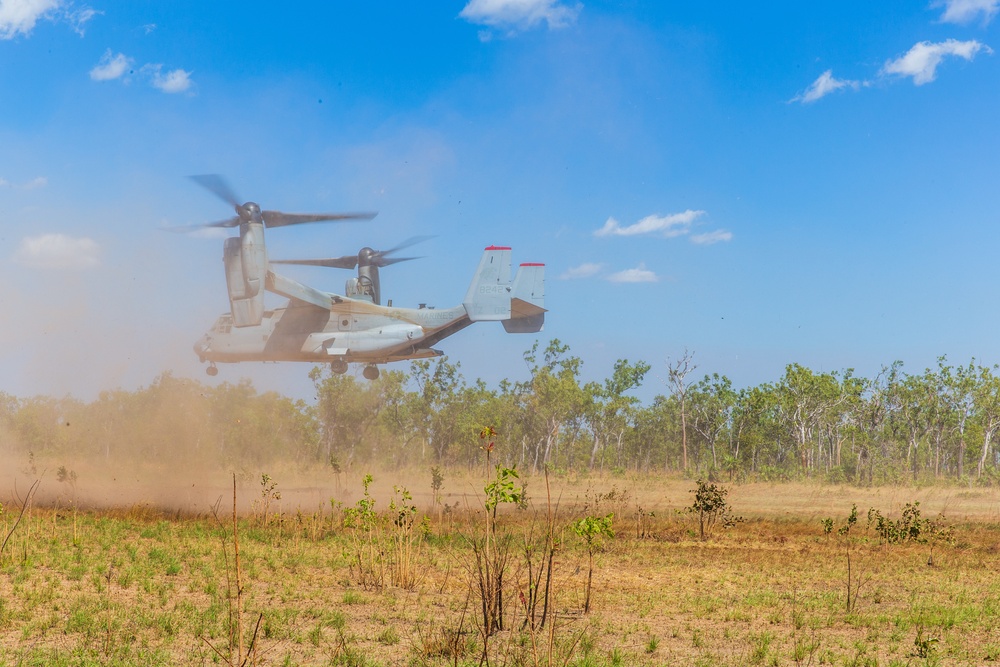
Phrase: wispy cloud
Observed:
(967, 11)
(19, 17)
(58, 251)
(586, 270)
(921, 61)
(110, 66)
(78, 18)
(668, 226)
(639, 274)
(513, 16)
(37, 182)
(119, 66)
(708, 238)
(823, 86)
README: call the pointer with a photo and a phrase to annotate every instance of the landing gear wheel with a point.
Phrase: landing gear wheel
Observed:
(339, 366)
(212, 370)
(370, 372)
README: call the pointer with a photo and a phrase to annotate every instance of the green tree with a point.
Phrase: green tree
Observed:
(712, 402)
(610, 410)
(553, 398)
(346, 410)
(435, 404)
(986, 399)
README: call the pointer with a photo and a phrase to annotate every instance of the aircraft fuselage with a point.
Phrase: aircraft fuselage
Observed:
(304, 332)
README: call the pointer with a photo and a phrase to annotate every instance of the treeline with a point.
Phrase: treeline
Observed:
(894, 428)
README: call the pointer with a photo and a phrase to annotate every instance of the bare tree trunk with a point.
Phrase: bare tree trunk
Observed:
(593, 450)
(677, 374)
(987, 446)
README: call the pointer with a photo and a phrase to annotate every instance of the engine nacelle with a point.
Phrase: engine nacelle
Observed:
(246, 270)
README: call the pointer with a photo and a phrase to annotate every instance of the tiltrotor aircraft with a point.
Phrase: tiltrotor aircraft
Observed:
(322, 327)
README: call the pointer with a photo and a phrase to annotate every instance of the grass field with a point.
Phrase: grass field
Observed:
(133, 581)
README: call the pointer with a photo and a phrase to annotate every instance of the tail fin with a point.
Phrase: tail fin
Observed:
(527, 302)
(488, 298)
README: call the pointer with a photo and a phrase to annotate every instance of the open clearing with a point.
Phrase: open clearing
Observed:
(136, 570)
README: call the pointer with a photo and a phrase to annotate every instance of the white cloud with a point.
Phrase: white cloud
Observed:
(174, 81)
(708, 238)
(110, 67)
(516, 15)
(639, 274)
(583, 271)
(119, 66)
(921, 61)
(58, 251)
(19, 16)
(823, 86)
(676, 224)
(37, 182)
(966, 11)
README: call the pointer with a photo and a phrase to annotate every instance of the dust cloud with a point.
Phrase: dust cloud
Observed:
(191, 488)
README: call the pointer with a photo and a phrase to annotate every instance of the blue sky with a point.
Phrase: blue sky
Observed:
(759, 184)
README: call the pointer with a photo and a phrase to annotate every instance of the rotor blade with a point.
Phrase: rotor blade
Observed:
(413, 240)
(279, 219)
(184, 229)
(218, 186)
(348, 262)
(228, 222)
(386, 261)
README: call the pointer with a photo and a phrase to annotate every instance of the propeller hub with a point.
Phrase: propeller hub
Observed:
(249, 212)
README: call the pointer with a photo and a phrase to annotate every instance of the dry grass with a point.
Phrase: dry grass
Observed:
(142, 585)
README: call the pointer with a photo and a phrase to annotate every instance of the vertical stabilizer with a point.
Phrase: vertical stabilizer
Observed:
(488, 298)
(527, 300)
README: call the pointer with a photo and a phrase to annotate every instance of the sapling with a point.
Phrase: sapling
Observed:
(491, 551)
(25, 505)
(364, 521)
(405, 539)
(268, 494)
(592, 529)
(537, 586)
(437, 483)
(855, 572)
(66, 476)
(235, 593)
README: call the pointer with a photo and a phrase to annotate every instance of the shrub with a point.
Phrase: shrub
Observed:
(712, 509)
